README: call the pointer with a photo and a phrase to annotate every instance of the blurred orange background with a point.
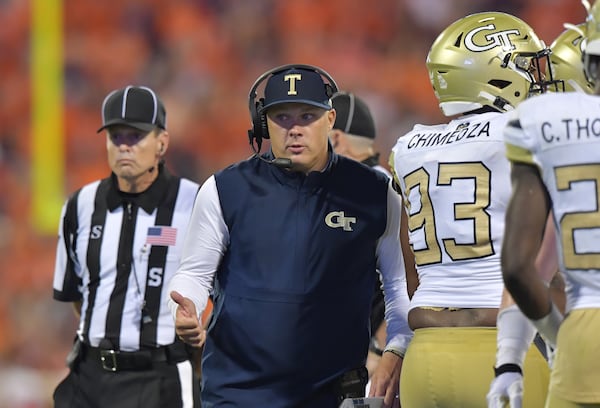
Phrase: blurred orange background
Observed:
(201, 56)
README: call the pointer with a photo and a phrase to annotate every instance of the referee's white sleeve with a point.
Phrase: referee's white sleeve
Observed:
(62, 255)
(204, 245)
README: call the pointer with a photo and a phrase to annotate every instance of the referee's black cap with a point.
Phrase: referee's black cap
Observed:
(297, 85)
(353, 115)
(135, 106)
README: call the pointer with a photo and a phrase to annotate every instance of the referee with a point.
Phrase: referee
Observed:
(119, 242)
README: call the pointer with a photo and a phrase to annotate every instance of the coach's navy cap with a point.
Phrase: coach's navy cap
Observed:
(297, 85)
(135, 106)
(353, 115)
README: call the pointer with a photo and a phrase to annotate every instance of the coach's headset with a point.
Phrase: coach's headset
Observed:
(260, 129)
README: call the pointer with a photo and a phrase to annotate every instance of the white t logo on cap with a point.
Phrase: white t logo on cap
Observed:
(292, 78)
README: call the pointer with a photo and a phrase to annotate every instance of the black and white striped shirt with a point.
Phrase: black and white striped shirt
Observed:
(115, 254)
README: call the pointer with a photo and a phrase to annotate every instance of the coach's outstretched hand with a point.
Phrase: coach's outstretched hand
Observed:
(187, 325)
(506, 388)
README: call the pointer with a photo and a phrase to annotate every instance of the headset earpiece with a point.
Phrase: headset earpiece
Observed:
(329, 90)
(256, 133)
(261, 119)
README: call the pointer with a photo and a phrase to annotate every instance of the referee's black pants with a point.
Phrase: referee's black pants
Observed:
(164, 385)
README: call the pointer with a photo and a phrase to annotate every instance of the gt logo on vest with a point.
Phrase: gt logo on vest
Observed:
(337, 219)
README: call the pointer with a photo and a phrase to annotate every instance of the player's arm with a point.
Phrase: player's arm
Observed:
(547, 265)
(526, 219)
(77, 308)
(412, 278)
(546, 262)
(521, 265)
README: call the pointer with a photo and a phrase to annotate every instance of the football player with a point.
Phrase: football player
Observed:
(566, 67)
(553, 144)
(566, 60)
(454, 179)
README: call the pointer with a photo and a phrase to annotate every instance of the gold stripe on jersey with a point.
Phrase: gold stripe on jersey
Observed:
(518, 154)
(441, 309)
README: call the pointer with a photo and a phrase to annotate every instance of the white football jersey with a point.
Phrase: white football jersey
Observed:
(560, 134)
(455, 182)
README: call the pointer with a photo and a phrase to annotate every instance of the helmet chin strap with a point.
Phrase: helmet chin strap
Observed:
(497, 101)
(456, 108)
(575, 85)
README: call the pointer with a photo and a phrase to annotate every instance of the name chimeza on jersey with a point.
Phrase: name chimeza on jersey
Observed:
(463, 131)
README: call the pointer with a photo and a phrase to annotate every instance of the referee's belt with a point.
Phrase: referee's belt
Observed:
(146, 359)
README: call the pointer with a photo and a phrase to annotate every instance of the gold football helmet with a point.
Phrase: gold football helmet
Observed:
(566, 59)
(591, 49)
(486, 59)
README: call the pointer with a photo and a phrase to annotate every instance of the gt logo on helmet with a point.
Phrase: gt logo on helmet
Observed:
(496, 39)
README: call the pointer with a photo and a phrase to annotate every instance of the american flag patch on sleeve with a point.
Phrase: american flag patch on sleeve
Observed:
(161, 235)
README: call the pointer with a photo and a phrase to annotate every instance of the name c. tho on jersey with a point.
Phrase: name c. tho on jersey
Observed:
(566, 129)
(571, 175)
(455, 182)
(116, 252)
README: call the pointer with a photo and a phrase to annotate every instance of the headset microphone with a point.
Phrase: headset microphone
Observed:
(151, 169)
(282, 163)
